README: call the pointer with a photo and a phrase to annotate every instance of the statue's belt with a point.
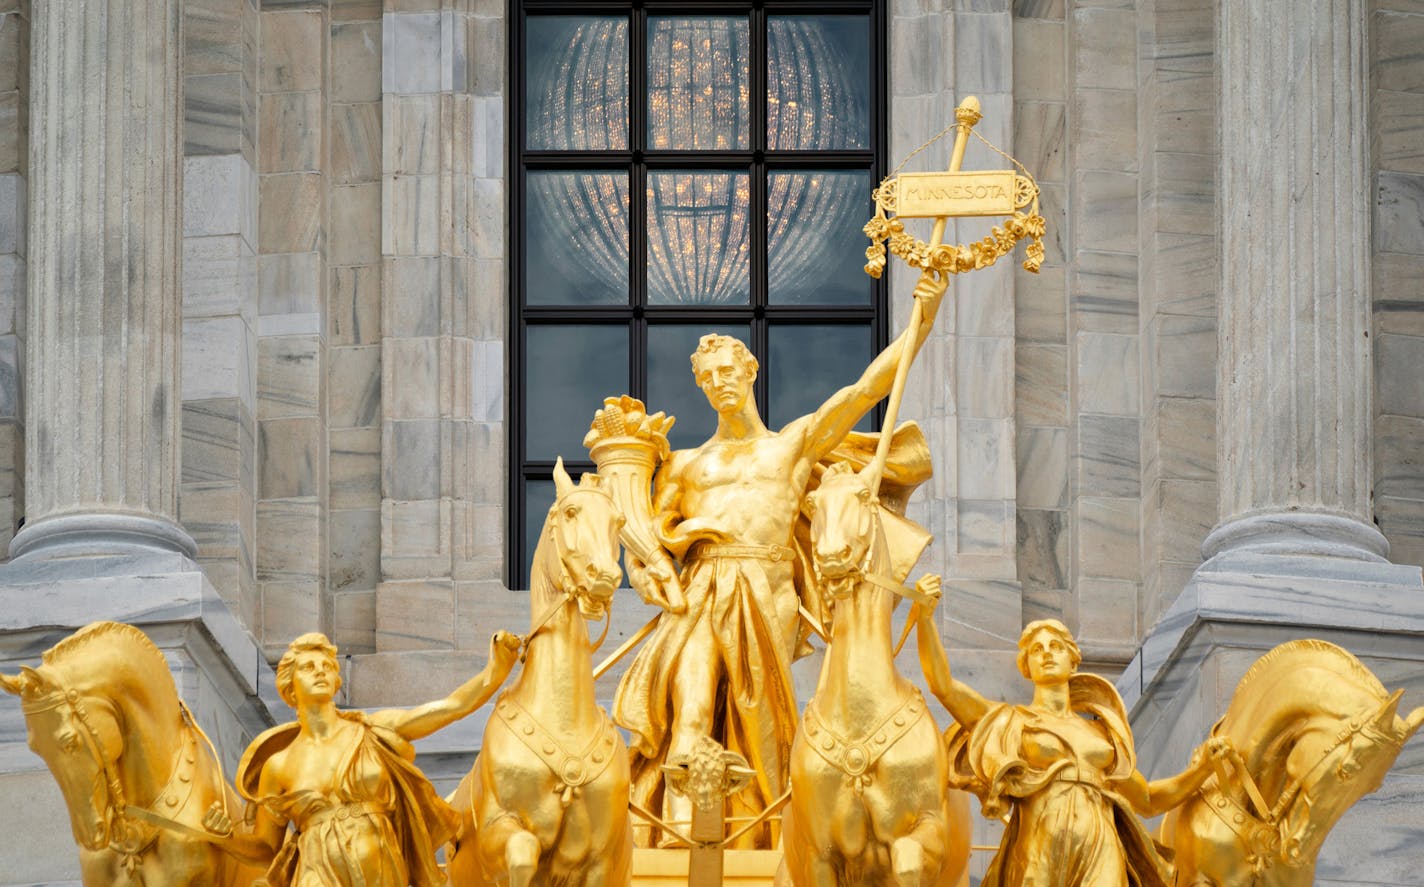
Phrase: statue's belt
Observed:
(773, 553)
(349, 810)
(574, 769)
(856, 757)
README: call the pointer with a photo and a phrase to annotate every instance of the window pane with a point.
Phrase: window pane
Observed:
(577, 83)
(671, 385)
(698, 247)
(818, 82)
(538, 498)
(815, 246)
(569, 370)
(576, 247)
(810, 363)
(698, 93)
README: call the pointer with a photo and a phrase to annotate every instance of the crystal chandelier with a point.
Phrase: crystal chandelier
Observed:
(698, 222)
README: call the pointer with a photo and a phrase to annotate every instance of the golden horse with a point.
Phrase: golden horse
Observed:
(547, 799)
(137, 773)
(869, 802)
(1313, 731)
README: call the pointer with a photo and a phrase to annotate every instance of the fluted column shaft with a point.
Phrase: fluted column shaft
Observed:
(102, 400)
(1295, 383)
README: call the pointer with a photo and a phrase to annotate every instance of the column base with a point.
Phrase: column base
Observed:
(1187, 669)
(89, 534)
(1294, 534)
(219, 670)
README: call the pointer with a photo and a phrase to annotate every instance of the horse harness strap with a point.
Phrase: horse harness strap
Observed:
(574, 769)
(1260, 838)
(856, 757)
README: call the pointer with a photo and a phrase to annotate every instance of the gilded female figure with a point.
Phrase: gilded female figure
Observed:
(1063, 766)
(360, 811)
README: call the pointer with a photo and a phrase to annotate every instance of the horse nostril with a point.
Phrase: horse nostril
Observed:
(591, 571)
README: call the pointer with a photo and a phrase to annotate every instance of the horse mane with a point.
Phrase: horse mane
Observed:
(78, 642)
(118, 658)
(1267, 664)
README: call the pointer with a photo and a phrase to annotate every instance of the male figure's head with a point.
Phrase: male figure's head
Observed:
(725, 370)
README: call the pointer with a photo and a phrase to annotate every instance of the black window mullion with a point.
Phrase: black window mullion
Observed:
(757, 78)
(514, 139)
(638, 198)
(879, 122)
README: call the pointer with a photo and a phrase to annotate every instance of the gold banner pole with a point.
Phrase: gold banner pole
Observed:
(967, 114)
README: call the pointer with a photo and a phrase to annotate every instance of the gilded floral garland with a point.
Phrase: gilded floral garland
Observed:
(950, 258)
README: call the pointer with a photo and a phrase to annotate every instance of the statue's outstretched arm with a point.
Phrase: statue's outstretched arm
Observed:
(421, 721)
(837, 416)
(963, 702)
(1160, 795)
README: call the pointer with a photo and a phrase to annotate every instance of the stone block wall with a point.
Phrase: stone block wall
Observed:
(352, 324)
(442, 450)
(1178, 270)
(295, 224)
(217, 486)
(14, 158)
(1397, 137)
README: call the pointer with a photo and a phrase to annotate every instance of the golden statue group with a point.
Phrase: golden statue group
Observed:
(746, 546)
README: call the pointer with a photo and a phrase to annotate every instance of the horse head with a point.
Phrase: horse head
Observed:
(582, 536)
(1335, 762)
(80, 740)
(844, 525)
(102, 711)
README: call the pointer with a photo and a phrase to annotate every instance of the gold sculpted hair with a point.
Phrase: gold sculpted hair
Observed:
(712, 341)
(1054, 626)
(286, 668)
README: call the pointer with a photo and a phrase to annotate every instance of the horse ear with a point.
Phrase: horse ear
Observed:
(32, 681)
(563, 484)
(808, 504)
(1384, 718)
(12, 685)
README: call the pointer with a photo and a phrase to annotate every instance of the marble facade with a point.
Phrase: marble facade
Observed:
(336, 450)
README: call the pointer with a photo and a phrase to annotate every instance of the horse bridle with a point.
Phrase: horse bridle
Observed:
(140, 825)
(861, 572)
(571, 589)
(1271, 817)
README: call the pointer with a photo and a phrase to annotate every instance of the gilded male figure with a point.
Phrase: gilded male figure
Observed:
(727, 510)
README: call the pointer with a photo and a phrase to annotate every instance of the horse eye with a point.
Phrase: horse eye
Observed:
(69, 742)
(571, 512)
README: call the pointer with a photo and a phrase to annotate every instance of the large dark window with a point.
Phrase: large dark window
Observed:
(684, 168)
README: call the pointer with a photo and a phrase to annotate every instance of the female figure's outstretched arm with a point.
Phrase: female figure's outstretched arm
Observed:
(959, 699)
(1160, 795)
(421, 721)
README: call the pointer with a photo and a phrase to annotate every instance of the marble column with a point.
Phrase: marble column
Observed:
(1294, 553)
(1294, 376)
(102, 400)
